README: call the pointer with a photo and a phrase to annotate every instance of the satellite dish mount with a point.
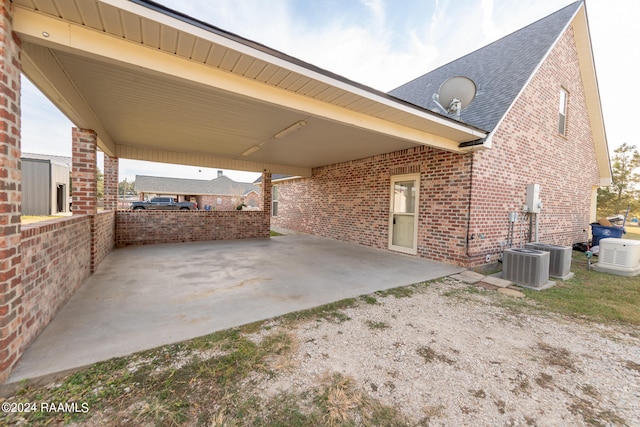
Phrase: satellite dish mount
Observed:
(456, 93)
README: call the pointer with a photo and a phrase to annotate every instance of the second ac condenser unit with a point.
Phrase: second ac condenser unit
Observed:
(619, 256)
(559, 259)
(526, 267)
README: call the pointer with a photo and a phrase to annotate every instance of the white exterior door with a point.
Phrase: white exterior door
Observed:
(403, 213)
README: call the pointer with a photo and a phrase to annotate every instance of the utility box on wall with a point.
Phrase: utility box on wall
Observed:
(533, 198)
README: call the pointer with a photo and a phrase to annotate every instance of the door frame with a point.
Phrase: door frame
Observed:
(406, 177)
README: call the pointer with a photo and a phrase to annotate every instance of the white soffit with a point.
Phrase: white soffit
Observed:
(113, 39)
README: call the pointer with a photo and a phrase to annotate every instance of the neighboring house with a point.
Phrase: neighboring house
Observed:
(221, 193)
(45, 184)
(537, 96)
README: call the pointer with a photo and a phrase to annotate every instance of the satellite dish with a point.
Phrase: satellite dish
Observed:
(455, 94)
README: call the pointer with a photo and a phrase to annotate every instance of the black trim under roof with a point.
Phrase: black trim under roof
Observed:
(150, 4)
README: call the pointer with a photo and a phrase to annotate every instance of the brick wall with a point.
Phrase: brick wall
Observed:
(151, 227)
(350, 201)
(10, 190)
(83, 171)
(56, 258)
(528, 149)
(110, 182)
(104, 236)
(253, 199)
(227, 203)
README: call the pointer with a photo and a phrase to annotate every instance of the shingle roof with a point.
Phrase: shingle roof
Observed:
(221, 185)
(500, 70)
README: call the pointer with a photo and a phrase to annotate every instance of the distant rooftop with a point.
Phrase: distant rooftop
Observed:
(62, 160)
(221, 185)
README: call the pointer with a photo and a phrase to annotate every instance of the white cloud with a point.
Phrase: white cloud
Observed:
(489, 27)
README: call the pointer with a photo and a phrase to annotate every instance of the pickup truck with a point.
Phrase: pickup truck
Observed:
(166, 203)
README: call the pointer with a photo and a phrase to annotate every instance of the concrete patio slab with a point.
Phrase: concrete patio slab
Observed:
(147, 296)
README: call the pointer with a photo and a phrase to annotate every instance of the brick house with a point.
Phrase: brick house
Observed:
(221, 193)
(537, 97)
(143, 82)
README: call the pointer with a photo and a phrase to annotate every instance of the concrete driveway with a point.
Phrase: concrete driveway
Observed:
(146, 296)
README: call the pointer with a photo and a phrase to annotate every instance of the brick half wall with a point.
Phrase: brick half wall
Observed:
(153, 227)
(56, 259)
(104, 235)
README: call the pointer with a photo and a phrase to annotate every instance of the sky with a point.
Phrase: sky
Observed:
(382, 44)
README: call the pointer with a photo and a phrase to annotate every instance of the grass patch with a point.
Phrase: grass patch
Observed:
(402, 291)
(275, 233)
(331, 312)
(369, 299)
(590, 294)
(633, 232)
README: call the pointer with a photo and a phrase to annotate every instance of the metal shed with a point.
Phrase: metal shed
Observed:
(45, 185)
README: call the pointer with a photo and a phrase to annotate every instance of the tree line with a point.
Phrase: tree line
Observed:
(625, 191)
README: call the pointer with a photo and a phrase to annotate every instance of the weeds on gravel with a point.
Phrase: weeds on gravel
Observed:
(372, 324)
(343, 404)
(403, 291)
(430, 355)
(210, 381)
(331, 312)
(557, 356)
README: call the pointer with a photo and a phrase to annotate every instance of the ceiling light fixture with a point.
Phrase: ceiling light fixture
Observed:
(289, 130)
(250, 150)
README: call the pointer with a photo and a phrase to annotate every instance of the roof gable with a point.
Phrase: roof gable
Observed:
(500, 70)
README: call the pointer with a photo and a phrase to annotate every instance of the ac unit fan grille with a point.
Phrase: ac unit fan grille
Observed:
(526, 267)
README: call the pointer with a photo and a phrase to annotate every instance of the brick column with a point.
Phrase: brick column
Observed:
(10, 194)
(266, 201)
(110, 182)
(83, 171)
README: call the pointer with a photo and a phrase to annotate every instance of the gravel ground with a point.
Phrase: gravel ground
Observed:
(452, 357)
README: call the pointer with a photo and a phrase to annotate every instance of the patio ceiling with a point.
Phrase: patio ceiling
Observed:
(160, 86)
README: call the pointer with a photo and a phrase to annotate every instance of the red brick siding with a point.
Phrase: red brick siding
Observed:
(527, 149)
(110, 182)
(56, 258)
(227, 203)
(104, 237)
(83, 171)
(10, 191)
(253, 199)
(350, 201)
(151, 227)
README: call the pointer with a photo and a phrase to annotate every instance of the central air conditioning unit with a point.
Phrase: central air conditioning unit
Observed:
(526, 267)
(619, 256)
(559, 259)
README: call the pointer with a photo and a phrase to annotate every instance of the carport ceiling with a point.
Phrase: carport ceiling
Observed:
(159, 86)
